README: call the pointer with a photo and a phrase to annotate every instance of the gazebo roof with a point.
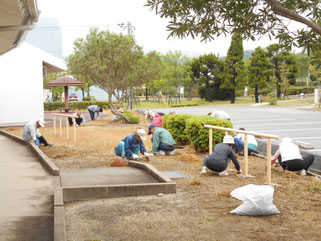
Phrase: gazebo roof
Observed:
(65, 81)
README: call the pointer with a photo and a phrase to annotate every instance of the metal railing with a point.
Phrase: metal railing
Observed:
(246, 157)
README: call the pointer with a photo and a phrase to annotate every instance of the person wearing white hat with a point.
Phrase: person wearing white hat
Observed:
(31, 132)
(220, 158)
(220, 114)
(129, 147)
(290, 158)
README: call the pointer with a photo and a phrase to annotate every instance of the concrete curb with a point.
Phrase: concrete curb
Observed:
(51, 167)
(82, 193)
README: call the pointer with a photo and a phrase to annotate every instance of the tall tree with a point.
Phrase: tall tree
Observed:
(251, 18)
(278, 54)
(56, 91)
(208, 72)
(176, 69)
(258, 71)
(234, 66)
(113, 61)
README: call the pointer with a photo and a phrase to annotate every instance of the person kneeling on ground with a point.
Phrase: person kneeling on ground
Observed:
(220, 158)
(79, 120)
(94, 109)
(162, 140)
(116, 118)
(129, 147)
(239, 142)
(31, 132)
(289, 157)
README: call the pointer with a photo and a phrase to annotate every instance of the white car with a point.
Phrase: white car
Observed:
(73, 97)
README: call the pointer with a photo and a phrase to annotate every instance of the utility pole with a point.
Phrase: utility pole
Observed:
(130, 31)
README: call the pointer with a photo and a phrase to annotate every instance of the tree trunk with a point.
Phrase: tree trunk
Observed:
(114, 110)
(146, 94)
(256, 94)
(233, 90)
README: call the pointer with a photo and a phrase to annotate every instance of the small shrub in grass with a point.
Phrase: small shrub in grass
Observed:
(315, 186)
(197, 134)
(129, 114)
(176, 125)
(272, 98)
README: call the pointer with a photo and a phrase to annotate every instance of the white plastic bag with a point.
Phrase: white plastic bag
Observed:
(257, 200)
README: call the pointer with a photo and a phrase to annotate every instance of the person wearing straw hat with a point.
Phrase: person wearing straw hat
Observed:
(220, 158)
(31, 132)
(129, 147)
(116, 118)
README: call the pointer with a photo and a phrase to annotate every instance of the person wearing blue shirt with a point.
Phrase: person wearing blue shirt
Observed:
(129, 147)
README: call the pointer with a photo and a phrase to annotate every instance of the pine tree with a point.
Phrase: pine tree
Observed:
(258, 71)
(234, 65)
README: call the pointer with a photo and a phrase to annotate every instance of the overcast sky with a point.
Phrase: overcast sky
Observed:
(75, 16)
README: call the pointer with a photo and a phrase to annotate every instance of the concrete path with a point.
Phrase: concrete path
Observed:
(26, 194)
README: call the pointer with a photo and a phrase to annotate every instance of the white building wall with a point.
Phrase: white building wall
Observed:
(21, 85)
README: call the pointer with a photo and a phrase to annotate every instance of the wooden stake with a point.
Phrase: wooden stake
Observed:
(268, 164)
(60, 126)
(67, 127)
(210, 141)
(54, 124)
(246, 157)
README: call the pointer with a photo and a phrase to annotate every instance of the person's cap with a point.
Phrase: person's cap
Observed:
(121, 110)
(150, 128)
(41, 123)
(141, 133)
(228, 139)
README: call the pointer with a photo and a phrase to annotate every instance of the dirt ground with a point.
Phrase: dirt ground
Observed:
(200, 210)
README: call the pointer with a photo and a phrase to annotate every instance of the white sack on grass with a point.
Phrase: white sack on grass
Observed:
(257, 200)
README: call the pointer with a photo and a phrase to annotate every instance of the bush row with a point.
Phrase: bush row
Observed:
(189, 129)
(78, 105)
(183, 105)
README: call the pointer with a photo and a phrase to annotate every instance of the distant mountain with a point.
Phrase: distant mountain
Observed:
(247, 55)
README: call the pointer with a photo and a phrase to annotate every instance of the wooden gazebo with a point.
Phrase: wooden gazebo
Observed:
(65, 81)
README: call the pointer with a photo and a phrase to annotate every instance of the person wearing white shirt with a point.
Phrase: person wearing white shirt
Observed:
(80, 120)
(290, 157)
(31, 132)
(220, 114)
(239, 142)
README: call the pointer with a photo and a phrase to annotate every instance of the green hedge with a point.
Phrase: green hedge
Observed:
(298, 90)
(197, 134)
(183, 105)
(78, 105)
(189, 129)
(176, 125)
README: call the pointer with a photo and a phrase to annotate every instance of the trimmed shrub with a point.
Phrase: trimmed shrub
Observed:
(78, 105)
(182, 105)
(197, 134)
(297, 90)
(176, 125)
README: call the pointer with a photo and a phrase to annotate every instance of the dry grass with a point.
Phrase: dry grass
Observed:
(200, 208)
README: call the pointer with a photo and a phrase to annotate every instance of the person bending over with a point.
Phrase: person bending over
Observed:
(162, 140)
(31, 132)
(80, 119)
(290, 158)
(129, 147)
(94, 109)
(220, 158)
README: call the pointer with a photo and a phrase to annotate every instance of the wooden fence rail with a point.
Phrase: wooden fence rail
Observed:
(246, 158)
(67, 124)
